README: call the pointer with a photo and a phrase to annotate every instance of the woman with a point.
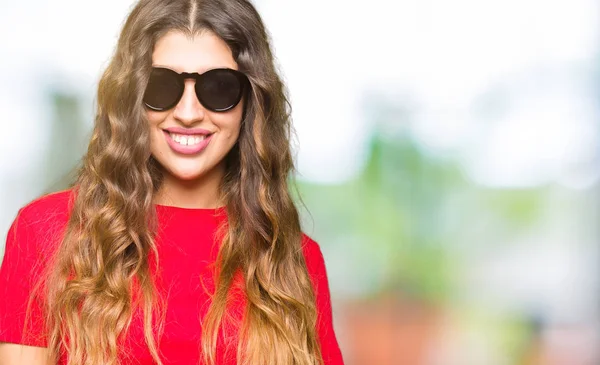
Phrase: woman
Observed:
(179, 242)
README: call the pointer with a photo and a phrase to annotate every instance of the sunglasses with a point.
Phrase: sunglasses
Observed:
(218, 90)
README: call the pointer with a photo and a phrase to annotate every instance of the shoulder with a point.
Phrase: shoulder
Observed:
(315, 262)
(310, 247)
(38, 225)
(53, 206)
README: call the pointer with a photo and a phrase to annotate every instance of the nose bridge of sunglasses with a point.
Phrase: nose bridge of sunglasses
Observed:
(189, 76)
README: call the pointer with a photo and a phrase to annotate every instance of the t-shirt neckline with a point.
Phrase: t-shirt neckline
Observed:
(174, 208)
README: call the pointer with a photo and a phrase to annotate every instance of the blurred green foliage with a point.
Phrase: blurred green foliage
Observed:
(408, 217)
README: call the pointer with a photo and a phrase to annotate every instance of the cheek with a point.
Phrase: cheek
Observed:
(154, 118)
(234, 131)
(229, 124)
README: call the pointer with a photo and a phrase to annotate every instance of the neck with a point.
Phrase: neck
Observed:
(201, 193)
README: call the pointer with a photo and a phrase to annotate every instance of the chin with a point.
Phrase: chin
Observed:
(187, 175)
(192, 170)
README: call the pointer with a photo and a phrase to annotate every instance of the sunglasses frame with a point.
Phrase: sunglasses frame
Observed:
(181, 77)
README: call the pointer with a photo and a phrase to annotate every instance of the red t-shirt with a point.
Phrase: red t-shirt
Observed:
(186, 246)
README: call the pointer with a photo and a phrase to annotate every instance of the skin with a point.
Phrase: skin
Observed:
(189, 181)
(193, 181)
(12, 354)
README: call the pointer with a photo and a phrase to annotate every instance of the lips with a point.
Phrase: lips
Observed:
(187, 141)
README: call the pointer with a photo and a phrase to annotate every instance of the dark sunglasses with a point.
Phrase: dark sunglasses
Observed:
(219, 89)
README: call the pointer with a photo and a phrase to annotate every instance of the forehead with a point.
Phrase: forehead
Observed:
(181, 53)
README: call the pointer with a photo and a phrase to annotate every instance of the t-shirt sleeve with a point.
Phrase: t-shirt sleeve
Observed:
(20, 269)
(316, 268)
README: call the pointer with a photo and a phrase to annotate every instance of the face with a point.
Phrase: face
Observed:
(188, 140)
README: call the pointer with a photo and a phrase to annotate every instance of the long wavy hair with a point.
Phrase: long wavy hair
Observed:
(101, 273)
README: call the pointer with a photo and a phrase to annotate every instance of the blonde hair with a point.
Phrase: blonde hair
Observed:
(101, 272)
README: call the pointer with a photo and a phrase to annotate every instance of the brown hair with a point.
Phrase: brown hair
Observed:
(101, 273)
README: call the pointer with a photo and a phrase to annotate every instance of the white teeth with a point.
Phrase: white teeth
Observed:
(187, 140)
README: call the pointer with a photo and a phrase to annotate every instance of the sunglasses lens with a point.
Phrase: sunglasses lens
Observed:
(164, 89)
(219, 89)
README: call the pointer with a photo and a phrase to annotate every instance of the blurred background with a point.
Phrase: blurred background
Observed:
(448, 158)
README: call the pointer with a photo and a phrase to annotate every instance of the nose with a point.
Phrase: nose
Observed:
(189, 110)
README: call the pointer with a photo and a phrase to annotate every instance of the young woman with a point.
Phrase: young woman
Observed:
(179, 242)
